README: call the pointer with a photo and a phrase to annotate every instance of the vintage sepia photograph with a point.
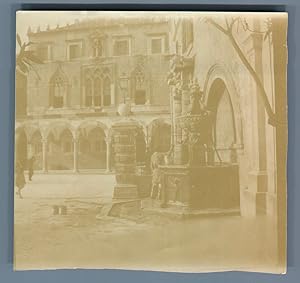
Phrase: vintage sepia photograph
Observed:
(150, 140)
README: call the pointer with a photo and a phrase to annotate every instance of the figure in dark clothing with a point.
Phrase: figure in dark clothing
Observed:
(20, 178)
(157, 159)
(30, 167)
(156, 184)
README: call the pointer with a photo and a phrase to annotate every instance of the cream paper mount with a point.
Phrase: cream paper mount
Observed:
(151, 141)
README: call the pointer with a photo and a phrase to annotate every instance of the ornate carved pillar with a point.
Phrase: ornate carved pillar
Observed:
(177, 108)
(44, 155)
(124, 134)
(180, 72)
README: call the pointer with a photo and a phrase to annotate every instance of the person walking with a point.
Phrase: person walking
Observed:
(30, 167)
(20, 178)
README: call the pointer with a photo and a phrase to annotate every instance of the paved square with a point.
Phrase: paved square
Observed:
(82, 239)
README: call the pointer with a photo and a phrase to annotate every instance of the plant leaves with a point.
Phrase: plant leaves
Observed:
(23, 67)
(19, 40)
(30, 55)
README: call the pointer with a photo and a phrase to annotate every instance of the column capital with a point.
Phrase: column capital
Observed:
(75, 139)
(108, 139)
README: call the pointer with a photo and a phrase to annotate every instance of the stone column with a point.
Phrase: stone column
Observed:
(75, 154)
(93, 94)
(44, 154)
(112, 94)
(124, 133)
(30, 149)
(258, 176)
(108, 154)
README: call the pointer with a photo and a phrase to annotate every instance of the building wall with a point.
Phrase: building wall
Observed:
(155, 66)
(215, 58)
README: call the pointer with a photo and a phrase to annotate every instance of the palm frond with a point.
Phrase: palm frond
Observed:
(19, 40)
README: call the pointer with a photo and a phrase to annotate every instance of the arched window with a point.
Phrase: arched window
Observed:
(88, 93)
(139, 87)
(58, 89)
(106, 92)
(97, 92)
(97, 88)
(59, 93)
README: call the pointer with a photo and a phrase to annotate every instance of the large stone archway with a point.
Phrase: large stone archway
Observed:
(224, 126)
(92, 148)
(35, 148)
(218, 78)
(60, 150)
(159, 131)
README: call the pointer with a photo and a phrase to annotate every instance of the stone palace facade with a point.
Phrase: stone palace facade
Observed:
(66, 106)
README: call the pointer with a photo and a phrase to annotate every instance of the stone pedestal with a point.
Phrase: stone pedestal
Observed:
(124, 133)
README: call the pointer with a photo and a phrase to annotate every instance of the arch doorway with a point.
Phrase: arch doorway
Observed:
(140, 147)
(60, 150)
(160, 136)
(224, 130)
(92, 149)
(36, 150)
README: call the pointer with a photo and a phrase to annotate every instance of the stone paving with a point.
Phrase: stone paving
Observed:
(82, 239)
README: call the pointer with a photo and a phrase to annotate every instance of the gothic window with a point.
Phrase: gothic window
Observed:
(106, 92)
(97, 92)
(59, 91)
(88, 93)
(139, 87)
(97, 89)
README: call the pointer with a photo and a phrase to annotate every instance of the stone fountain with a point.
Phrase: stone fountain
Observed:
(197, 179)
